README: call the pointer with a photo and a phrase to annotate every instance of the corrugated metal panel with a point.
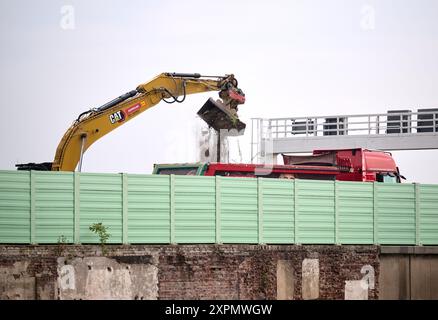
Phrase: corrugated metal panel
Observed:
(278, 211)
(239, 210)
(315, 211)
(355, 212)
(195, 209)
(54, 207)
(396, 213)
(152, 211)
(428, 214)
(14, 207)
(148, 209)
(101, 201)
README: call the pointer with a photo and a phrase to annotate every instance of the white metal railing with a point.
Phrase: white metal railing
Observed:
(392, 122)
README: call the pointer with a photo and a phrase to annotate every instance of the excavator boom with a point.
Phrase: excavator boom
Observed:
(92, 125)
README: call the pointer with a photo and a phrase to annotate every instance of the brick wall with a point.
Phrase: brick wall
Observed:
(250, 272)
(183, 271)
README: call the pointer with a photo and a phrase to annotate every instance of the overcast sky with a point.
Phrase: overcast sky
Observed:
(292, 58)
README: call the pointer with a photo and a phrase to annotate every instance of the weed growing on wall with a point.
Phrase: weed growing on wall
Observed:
(102, 232)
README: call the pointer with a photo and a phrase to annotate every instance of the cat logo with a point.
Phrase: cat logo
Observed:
(118, 116)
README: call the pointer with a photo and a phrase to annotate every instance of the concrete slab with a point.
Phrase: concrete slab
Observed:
(285, 280)
(356, 290)
(15, 283)
(93, 278)
(310, 279)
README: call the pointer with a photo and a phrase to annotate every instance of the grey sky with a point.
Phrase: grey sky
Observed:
(292, 58)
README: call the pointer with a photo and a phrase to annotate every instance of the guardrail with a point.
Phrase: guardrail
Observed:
(393, 122)
(44, 207)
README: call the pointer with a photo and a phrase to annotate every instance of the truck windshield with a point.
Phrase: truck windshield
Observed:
(389, 179)
(386, 178)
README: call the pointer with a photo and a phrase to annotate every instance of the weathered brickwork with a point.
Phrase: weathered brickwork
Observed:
(182, 271)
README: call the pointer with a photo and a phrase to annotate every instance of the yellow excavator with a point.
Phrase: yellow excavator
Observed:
(93, 124)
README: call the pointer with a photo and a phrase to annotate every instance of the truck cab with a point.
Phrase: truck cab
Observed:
(365, 165)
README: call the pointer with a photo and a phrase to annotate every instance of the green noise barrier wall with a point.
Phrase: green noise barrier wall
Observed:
(44, 207)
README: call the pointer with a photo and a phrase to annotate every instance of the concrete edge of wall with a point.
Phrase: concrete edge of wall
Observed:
(411, 250)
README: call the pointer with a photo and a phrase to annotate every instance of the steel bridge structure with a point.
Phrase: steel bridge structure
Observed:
(391, 131)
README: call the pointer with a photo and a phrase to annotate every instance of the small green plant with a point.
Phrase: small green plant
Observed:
(102, 232)
(62, 241)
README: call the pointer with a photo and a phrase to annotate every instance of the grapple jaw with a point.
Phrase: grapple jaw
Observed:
(220, 116)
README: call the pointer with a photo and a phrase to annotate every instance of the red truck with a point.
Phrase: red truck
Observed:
(344, 165)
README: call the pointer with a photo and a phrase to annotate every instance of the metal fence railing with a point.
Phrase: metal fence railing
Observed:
(44, 207)
(388, 123)
(393, 122)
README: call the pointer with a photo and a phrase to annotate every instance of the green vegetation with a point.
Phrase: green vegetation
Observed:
(102, 232)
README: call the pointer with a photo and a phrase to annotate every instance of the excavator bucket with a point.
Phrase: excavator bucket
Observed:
(218, 116)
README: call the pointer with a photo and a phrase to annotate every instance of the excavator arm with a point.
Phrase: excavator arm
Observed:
(92, 125)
